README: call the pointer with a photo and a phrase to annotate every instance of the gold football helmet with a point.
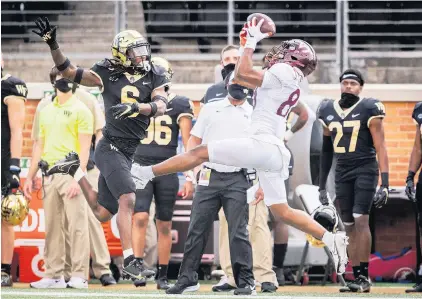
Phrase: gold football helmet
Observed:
(131, 49)
(164, 64)
(14, 208)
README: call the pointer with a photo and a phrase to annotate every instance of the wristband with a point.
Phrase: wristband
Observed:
(64, 65)
(54, 46)
(15, 162)
(154, 109)
(289, 134)
(384, 178)
(251, 43)
(241, 49)
(189, 176)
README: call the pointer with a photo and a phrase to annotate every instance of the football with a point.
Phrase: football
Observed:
(267, 26)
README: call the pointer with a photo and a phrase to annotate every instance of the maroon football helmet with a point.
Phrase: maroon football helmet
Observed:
(295, 52)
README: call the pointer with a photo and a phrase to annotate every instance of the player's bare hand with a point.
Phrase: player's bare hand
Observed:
(243, 36)
(259, 196)
(73, 190)
(123, 111)
(27, 189)
(410, 190)
(187, 192)
(46, 32)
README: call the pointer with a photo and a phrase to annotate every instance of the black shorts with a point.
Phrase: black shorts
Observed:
(5, 166)
(355, 195)
(164, 190)
(115, 178)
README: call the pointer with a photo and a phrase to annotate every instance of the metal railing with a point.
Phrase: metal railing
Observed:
(341, 31)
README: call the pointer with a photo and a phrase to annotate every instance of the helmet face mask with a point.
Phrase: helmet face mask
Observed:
(295, 52)
(132, 50)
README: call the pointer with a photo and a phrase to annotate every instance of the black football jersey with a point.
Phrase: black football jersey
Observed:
(417, 115)
(127, 89)
(162, 137)
(10, 86)
(352, 139)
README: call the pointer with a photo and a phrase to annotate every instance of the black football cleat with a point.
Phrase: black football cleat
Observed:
(68, 165)
(136, 270)
(417, 288)
(6, 280)
(107, 279)
(248, 290)
(140, 282)
(181, 288)
(268, 287)
(163, 283)
(360, 285)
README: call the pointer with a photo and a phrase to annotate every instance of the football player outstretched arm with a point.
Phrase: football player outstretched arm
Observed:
(376, 128)
(326, 161)
(245, 74)
(414, 165)
(63, 64)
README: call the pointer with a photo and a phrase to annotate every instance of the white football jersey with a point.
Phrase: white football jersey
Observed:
(273, 101)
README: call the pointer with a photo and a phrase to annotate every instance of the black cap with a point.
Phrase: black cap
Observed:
(354, 75)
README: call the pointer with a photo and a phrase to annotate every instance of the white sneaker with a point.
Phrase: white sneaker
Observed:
(77, 283)
(223, 280)
(49, 283)
(341, 241)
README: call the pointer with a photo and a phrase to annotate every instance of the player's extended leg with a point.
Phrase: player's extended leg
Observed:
(7, 246)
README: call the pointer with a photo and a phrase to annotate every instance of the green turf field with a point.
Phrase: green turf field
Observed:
(126, 290)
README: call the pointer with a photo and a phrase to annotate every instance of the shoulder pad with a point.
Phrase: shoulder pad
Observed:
(13, 80)
(324, 104)
(158, 70)
(105, 63)
(370, 102)
(418, 106)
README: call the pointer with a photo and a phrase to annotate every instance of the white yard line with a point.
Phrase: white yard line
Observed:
(7, 293)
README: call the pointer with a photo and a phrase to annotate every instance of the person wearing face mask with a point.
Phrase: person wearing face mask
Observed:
(98, 244)
(219, 186)
(65, 124)
(354, 132)
(217, 92)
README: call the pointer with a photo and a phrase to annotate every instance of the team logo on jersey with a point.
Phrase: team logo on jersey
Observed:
(330, 117)
(22, 89)
(67, 113)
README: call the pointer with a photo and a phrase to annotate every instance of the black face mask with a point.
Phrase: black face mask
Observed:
(63, 85)
(237, 92)
(348, 100)
(227, 69)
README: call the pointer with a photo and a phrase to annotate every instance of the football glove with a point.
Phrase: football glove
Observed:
(14, 171)
(381, 197)
(254, 34)
(324, 197)
(47, 33)
(123, 111)
(410, 186)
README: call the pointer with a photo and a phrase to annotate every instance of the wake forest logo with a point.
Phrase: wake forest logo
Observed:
(22, 90)
(67, 113)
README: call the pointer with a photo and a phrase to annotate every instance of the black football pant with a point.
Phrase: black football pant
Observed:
(227, 190)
